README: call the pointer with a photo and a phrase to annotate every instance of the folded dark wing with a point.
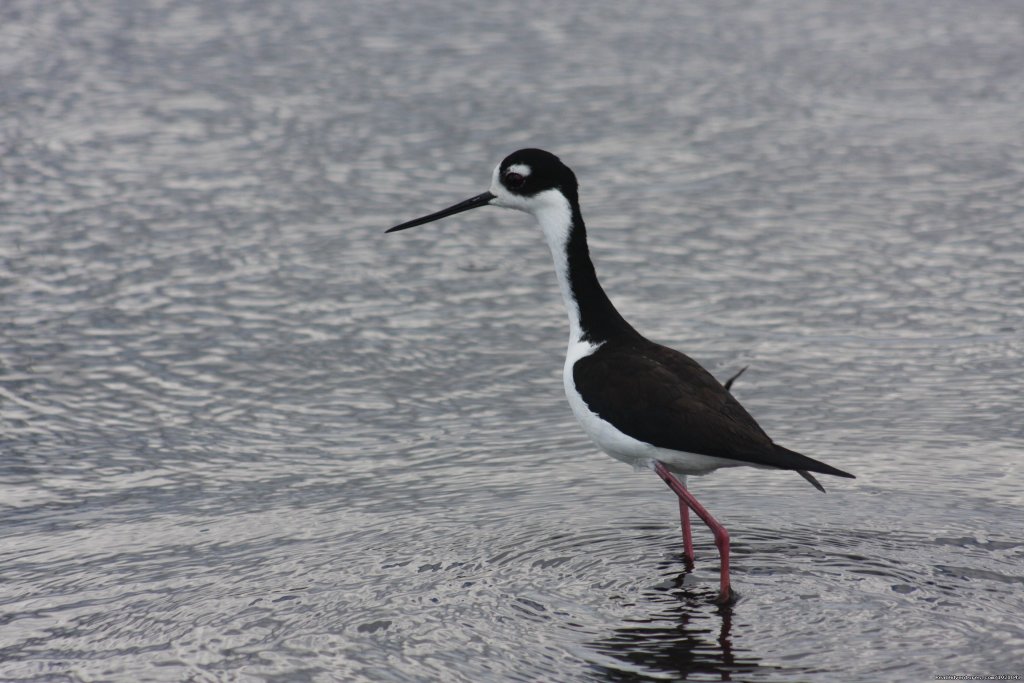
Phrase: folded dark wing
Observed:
(663, 397)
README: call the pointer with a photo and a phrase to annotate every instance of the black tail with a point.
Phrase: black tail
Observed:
(791, 460)
(814, 482)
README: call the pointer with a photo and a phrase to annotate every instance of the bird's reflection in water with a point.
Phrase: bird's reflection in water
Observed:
(688, 636)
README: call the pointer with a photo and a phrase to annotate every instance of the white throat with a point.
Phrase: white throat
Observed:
(554, 214)
(555, 218)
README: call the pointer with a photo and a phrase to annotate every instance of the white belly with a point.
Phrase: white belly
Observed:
(621, 446)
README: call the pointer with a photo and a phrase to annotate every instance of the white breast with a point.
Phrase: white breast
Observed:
(639, 454)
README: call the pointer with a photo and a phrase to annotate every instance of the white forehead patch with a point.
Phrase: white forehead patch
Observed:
(521, 169)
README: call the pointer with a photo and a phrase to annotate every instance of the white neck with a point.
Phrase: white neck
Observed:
(554, 214)
(555, 218)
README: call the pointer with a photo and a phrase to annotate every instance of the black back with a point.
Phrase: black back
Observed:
(665, 398)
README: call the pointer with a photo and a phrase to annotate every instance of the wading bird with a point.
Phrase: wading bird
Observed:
(641, 403)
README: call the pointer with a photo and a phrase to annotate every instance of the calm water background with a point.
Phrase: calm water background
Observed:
(248, 437)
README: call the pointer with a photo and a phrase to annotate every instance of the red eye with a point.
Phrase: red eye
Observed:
(514, 181)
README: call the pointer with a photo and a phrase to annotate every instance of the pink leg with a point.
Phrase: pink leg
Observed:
(684, 517)
(721, 535)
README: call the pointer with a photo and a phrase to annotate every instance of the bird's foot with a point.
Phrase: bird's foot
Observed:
(726, 597)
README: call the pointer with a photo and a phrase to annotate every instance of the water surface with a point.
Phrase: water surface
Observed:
(246, 436)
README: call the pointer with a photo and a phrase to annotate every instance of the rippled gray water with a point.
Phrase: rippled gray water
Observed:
(246, 436)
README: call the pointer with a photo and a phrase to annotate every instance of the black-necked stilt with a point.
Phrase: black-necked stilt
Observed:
(642, 403)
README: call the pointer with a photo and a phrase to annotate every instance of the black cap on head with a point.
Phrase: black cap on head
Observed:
(529, 171)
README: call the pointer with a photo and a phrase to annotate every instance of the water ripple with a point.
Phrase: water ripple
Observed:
(249, 437)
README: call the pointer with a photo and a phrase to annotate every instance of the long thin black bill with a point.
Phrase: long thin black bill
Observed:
(471, 203)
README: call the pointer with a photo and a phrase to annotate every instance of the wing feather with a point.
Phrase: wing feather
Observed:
(665, 398)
